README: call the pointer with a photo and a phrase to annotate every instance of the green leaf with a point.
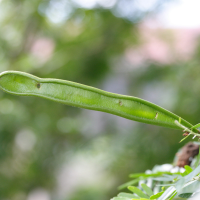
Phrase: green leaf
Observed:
(129, 183)
(127, 195)
(136, 175)
(138, 192)
(146, 175)
(185, 195)
(141, 199)
(191, 187)
(191, 175)
(163, 179)
(150, 175)
(120, 198)
(165, 184)
(155, 196)
(188, 169)
(184, 173)
(181, 182)
(184, 138)
(173, 195)
(168, 192)
(147, 189)
(196, 126)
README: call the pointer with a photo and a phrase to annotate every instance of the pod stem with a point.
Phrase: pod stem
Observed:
(185, 129)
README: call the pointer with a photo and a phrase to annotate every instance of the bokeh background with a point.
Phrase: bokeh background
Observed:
(149, 49)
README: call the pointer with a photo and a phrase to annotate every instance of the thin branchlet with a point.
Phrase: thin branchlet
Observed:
(185, 129)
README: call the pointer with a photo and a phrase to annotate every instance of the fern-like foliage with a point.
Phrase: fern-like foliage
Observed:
(164, 182)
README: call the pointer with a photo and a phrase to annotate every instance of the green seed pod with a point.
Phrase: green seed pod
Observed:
(75, 94)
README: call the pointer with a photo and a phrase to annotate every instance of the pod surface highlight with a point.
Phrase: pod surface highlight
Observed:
(79, 95)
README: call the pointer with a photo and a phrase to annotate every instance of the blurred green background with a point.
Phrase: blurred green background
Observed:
(50, 151)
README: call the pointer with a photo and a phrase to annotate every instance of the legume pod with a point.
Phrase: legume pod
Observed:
(75, 94)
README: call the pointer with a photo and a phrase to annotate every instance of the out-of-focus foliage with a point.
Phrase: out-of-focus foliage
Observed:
(53, 151)
(165, 182)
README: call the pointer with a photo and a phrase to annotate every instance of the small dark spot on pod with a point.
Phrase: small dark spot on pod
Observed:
(120, 103)
(38, 85)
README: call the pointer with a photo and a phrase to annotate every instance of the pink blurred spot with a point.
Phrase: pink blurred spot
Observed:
(162, 45)
(42, 49)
